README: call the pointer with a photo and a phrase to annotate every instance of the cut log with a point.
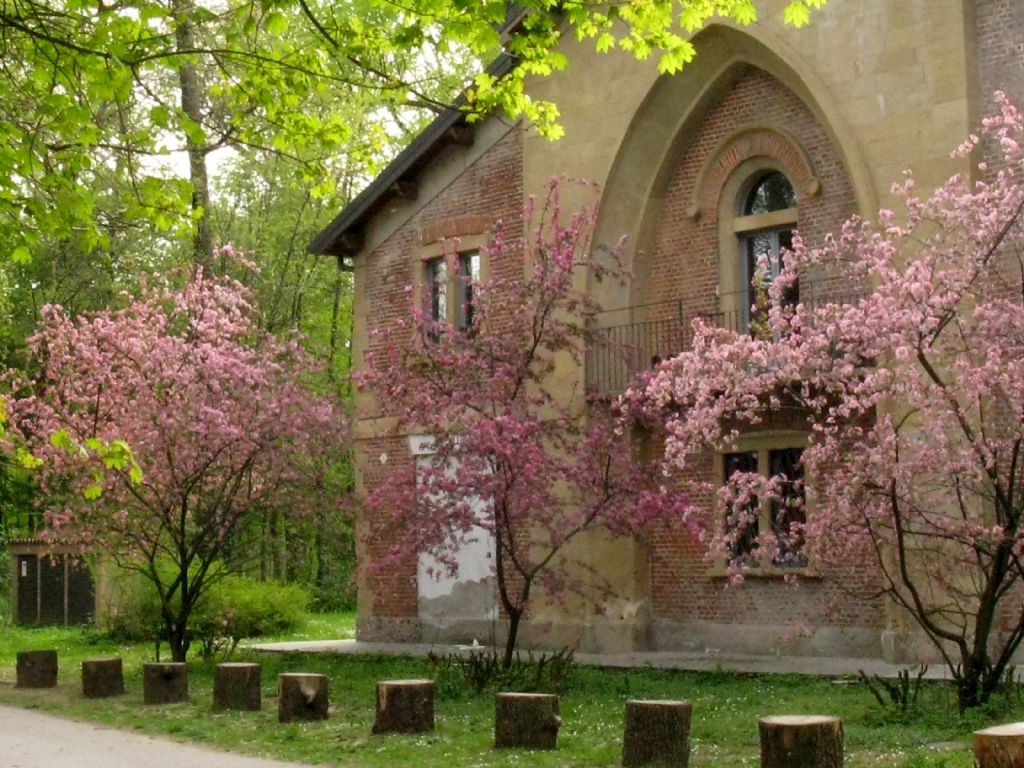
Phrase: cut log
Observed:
(657, 732)
(527, 720)
(801, 741)
(36, 669)
(301, 696)
(237, 686)
(102, 678)
(1001, 746)
(164, 682)
(404, 706)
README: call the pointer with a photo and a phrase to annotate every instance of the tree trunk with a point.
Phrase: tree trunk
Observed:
(164, 683)
(36, 669)
(102, 678)
(404, 706)
(801, 741)
(1001, 746)
(514, 617)
(657, 732)
(177, 638)
(301, 697)
(237, 686)
(332, 348)
(529, 720)
(192, 106)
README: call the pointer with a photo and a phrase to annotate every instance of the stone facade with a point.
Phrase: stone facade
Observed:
(842, 107)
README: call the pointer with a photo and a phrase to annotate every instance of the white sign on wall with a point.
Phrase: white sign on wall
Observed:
(470, 593)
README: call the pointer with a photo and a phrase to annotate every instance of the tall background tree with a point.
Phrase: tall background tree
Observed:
(913, 399)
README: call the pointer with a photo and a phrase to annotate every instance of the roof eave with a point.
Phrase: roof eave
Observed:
(343, 236)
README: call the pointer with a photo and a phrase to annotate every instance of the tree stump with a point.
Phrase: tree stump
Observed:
(657, 732)
(37, 669)
(301, 696)
(164, 682)
(801, 741)
(237, 686)
(527, 720)
(404, 706)
(1001, 746)
(102, 678)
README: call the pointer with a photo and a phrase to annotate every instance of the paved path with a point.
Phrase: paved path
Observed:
(828, 666)
(33, 740)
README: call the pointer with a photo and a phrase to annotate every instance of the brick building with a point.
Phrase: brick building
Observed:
(769, 129)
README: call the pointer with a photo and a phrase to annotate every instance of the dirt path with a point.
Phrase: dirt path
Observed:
(32, 740)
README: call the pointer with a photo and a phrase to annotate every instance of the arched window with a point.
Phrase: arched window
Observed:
(764, 224)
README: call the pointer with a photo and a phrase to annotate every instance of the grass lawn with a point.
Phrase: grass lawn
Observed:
(725, 711)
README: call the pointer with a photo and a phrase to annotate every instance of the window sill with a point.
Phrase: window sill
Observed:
(770, 572)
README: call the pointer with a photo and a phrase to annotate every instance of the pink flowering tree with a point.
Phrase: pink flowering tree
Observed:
(162, 427)
(912, 395)
(533, 470)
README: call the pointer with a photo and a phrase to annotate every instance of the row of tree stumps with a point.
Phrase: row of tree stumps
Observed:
(301, 696)
(656, 732)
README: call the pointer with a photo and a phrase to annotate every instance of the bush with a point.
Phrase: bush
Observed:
(232, 609)
(237, 607)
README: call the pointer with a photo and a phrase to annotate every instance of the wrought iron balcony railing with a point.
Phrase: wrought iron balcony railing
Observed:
(632, 340)
(620, 351)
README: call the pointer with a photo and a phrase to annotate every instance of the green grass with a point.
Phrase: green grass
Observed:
(726, 708)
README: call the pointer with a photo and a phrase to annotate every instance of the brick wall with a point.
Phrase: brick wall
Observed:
(685, 264)
(684, 259)
(1000, 63)
(487, 193)
(1000, 49)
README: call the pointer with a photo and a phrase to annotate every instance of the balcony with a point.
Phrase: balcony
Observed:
(631, 340)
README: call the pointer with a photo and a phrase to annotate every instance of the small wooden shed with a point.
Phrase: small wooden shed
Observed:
(50, 586)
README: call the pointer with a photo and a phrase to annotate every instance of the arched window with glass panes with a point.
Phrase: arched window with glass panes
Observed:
(765, 222)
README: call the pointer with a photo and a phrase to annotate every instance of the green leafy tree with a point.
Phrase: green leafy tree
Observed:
(99, 88)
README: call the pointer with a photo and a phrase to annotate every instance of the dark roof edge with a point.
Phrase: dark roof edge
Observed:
(427, 144)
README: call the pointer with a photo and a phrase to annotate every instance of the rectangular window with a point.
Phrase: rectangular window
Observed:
(784, 514)
(469, 275)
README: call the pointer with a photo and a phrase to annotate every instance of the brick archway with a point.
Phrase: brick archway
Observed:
(746, 144)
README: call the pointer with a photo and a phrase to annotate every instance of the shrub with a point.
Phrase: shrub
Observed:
(239, 607)
(234, 608)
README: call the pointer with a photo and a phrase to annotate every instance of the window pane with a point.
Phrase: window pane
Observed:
(742, 521)
(789, 512)
(763, 251)
(469, 273)
(772, 192)
(436, 278)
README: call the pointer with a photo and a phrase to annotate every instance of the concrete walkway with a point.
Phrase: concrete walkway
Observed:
(33, 740)
(827, 666)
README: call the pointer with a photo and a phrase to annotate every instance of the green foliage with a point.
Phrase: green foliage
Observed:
(233, 608)
(237, 608)
(5, 579)
(335, 581)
